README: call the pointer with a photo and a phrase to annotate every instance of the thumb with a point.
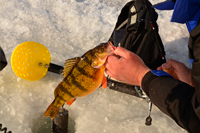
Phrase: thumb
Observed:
(122, 52)
(171, 63)
(166, 65)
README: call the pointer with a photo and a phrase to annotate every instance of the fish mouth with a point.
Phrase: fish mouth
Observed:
(110, 47)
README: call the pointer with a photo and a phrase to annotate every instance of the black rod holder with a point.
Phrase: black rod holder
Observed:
(55, 68)
(60, 122)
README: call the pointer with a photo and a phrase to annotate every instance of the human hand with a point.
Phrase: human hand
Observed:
(126, 66)
(183, 73)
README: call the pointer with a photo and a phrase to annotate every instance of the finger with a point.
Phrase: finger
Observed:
(173, 63)
(108, 72)
(112, 59)
(166, 65)
(107, 65)
(159, 68)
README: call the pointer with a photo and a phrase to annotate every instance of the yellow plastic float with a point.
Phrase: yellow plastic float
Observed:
(30, 60)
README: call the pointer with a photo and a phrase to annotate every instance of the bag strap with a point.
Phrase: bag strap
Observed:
(158, 40)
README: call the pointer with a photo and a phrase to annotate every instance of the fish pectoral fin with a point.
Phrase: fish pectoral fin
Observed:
(70, 101)
(69, 65)
(104, 82)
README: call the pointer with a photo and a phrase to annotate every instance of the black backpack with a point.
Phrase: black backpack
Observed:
(136, 30)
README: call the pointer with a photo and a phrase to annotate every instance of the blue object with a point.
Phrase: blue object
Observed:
(193, 22)
(185, 11)
(160, 73)
(191, 61)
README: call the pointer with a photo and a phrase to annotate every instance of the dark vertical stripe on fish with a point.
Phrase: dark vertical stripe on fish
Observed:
(77, 84)
(83, 72)
(58, 100)
(86, 59)
(63, 89)
(61, 98)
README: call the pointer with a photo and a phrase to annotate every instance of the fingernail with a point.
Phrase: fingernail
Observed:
(164, 65)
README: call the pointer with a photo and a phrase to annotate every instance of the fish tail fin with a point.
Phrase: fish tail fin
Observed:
(51, 111)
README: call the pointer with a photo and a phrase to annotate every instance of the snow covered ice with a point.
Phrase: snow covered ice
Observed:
(68, 28)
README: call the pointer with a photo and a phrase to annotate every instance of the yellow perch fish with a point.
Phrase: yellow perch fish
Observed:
(82, 76)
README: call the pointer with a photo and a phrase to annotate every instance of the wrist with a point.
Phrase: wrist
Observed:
(142, 74)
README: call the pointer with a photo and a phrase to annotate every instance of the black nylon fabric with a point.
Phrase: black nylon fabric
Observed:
(140, 37)
(177, 99)
(3, 61)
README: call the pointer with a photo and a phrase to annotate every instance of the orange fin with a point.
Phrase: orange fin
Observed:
(51, 111)
(104, 82)
(70, 101)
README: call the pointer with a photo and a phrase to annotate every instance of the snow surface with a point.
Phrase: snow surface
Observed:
(68, 28)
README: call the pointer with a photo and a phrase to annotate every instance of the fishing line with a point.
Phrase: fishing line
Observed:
(4, 129)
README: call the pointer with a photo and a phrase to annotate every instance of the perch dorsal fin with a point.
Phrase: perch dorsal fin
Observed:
(69, 65)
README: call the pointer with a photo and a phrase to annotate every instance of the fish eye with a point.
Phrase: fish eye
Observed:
(101, 49)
